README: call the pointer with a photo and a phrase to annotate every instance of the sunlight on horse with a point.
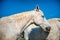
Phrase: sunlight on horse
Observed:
(12, 26)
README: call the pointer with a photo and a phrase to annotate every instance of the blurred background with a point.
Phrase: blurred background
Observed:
(51, 8)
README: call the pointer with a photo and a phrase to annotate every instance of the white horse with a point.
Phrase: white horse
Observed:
(54, 33)
(13, 25)
(55, 29)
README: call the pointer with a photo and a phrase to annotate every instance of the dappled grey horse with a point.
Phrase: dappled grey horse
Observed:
(14, 25)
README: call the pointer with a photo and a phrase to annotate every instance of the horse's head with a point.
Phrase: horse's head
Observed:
(40, 19)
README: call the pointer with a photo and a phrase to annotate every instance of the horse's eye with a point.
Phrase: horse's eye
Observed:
(42, 16)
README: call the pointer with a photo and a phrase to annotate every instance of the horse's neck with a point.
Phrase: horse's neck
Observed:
(22, 19)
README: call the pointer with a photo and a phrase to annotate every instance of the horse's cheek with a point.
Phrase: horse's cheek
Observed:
(38, 21)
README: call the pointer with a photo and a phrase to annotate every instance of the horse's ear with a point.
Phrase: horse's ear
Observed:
(37, 8)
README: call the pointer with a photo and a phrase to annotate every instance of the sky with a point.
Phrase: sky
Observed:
(50, 8)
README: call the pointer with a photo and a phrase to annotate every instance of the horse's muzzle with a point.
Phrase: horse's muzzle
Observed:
(48, 29)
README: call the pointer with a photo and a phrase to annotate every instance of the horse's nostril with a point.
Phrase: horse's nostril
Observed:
(48, 28)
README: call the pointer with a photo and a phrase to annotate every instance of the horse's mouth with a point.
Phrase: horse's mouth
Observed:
(48, 31)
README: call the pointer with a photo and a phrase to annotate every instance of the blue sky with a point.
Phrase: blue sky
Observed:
(51, 8)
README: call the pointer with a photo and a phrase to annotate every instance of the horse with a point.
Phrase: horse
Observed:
(13, 25)
(55, 29)
(33, 32)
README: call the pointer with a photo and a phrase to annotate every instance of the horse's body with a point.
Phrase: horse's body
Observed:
(13, 25)
(40, 34)
(55, 29)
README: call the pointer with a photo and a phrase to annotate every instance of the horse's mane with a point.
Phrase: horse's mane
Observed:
(17, 14)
